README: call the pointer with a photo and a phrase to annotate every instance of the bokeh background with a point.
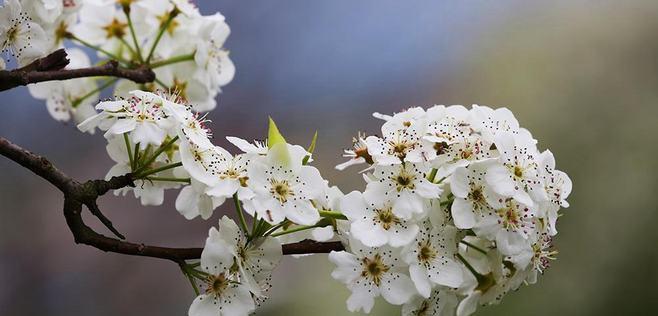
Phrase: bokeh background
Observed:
(581, 75)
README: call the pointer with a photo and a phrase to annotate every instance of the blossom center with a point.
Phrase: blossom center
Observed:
(217, 284)
(423, 309)
(180, 87)
(518, 171)
(426, 252)
(386, 218)
(374, 268)
(12, 34)
(115, 29)
(477, 197)
(510, 217)
(281, 190)
(400, 147)
(404, 181)
(440, 148)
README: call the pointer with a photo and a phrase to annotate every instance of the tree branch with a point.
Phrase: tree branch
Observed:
(77, 194)
(51, 68)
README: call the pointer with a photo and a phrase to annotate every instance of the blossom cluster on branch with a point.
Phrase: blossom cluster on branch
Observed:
(459, 207)
(171, 37)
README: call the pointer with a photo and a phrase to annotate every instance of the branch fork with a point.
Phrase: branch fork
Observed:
(77, 195)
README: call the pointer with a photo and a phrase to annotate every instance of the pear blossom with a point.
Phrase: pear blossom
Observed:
(20, 36)
(490, 123)
(192, 201)
(214, 64)
(557, 186)
(222, 173)
(70, 98)
(431, 259)
(371, 272)
(518, 174)
(510, 226)
(232, 177)
(397, 146)
(404, 185)
(411, 117)
(45, 11)
(376, 227)
(473, 197)
(255, 259)
(442, 302)
(283, 187)
(102, 24)
(258, 148)
(145, 120)
(224, 294)
(180, 77)
(358, 154)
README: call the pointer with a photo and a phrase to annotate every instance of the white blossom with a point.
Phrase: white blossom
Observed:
(140, 115)
(404, 186)
(20, 36)
(224, 293)
(369, 273)
(283, 187)
(431, 259)
(69, 98)
(375, 227)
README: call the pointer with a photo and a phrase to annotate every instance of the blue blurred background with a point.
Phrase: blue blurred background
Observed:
(581, 75)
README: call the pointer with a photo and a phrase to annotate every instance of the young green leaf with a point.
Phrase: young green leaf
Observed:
(310, 148)
(273, 135)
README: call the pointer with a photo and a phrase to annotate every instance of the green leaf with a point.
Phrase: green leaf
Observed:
(277, 144)
(273, 135)
(311, 148)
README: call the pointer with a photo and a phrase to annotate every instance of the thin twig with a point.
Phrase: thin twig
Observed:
(50, 68)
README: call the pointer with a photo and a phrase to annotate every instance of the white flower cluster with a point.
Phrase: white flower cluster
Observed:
(459, 209)
(184, 48)
(164, 144)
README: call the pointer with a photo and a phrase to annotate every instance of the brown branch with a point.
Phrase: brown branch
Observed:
(50, 68)
(77, 194)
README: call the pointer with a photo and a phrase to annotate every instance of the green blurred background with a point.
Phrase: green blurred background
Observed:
(581, 75)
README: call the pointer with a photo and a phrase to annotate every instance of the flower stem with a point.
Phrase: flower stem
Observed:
(126, 10)
(186, 271)
(85, 43)
(275, 227)
(253, 224)
(158, 81)
(238, 209)
(130, 154)
(299, 228)
(172, 60)
(130, 48)
(156, 170)
(469, 266)
(169, 179)
(100, 88)
(157, 153)
(163, 28)
(136, 156)
(473, 246)
(332, 214)
(432, 175)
